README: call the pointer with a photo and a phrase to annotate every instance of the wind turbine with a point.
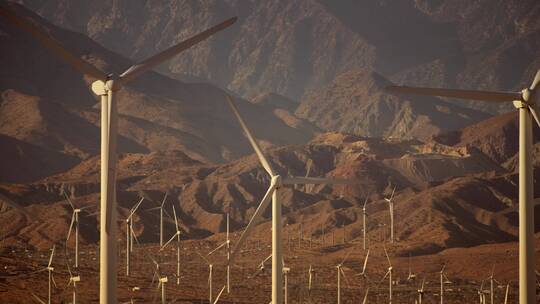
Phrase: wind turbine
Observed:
(286, 271)
(162, 280)
(74, 220)
(364, 217)
(525, 101)
(73, 280)
(339, 273)
(261, 266)
(482, 294)
(420, 291)
(272, 194)
(129, 235)
(106, 86)
(441, 275)
(389, 274)
(411, 275)
(161, 211)
(176, 236)
(491, 291)
(227, 246)
(210, 268)
(50, 270)
(391, 208)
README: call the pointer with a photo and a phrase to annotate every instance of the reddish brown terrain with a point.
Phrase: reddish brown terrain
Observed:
(453, 167)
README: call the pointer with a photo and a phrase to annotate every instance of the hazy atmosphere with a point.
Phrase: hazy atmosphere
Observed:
(245, 151)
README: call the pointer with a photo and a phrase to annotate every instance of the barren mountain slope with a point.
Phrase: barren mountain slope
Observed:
(355, 102)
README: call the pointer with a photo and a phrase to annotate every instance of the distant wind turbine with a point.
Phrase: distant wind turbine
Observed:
(277, 182)
(391, 209)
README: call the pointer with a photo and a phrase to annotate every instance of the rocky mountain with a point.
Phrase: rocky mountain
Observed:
(293, 47)
(47, 104)
(355, 102)
(205, 193)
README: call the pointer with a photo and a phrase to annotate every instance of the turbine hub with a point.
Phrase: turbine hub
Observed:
(277, 180)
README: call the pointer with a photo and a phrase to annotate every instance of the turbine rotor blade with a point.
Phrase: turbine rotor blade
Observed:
(70, 226)
(53, 45)
(295, 180)
(164, 199)
(170, 240)
(254, 220)
(68, 200)
(134, 209)
(51, 257)
(462, 94)
(534, 113)
(38, 298)
(365, 262)
(205, 259)
(217, 248)
(219, 294)
(175, 220)
(536, 81)
(387, 257)
(262, 158)
(150, 63)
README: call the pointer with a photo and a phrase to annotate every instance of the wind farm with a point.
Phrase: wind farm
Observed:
(277, 152)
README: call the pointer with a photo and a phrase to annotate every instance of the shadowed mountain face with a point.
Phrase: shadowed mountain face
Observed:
(291, 47)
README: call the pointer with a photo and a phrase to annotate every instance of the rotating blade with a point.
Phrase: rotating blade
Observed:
(536, 81)
(70, 226)
(53, 45)
(262, 158)
(219, 294)
(150, 63)
(254, 220)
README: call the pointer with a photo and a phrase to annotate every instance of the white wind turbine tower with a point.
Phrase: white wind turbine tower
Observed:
(286, 271)
(525, 101)
(50, 270)
(340, 272)
(73, 280)
(176, 236)
(129, 235)
(389, 274)
(391, 209)
(364, 217)
(491, 290)
(272, 194)
(161, 211)
(227, 247)
(74, 220)
(106, 87)
(441, 275)
(420, 291)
